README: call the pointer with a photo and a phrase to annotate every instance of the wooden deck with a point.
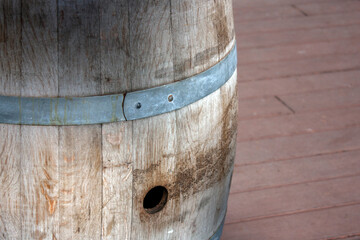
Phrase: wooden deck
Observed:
(297, 171)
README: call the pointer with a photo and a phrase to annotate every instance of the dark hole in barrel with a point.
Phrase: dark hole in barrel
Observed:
(155, 199)
(138, 105)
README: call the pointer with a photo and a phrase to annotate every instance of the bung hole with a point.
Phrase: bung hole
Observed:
(155, 199)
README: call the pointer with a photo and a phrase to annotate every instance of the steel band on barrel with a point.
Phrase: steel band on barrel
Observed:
(116, 107)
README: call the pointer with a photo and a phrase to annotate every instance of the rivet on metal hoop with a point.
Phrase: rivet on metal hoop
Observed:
(170, 98)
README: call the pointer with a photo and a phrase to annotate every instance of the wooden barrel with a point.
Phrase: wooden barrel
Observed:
(160, 177)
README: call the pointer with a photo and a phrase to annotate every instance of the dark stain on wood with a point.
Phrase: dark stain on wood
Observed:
(212, 166)
(224, 37)
(185, 179)
(62, 15)
(36, 17)
(203, 57)
(138, 173)
(9, 22)
(181, 68)
(3, 25)
(205, 201)
(150, 177)
(220, 22)
(163, 73)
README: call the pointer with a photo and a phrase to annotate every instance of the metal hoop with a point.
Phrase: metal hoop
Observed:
(117, 107)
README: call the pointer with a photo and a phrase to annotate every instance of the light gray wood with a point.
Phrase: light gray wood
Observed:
(40, 182)
(80, 146)
(195, 38)
(116, 137)
(89, 182)
(10, 146)
(39, 145)
(10, 221)
(194, 53)
(117, 181)
(154, 139)
(80, 182)
(201, 137)
(225, 27)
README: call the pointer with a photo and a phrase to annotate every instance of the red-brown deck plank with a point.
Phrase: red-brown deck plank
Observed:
(320, 64)
(293, 37)
(256, 14)
(295, 124)
(265, 3)
(295, 171)
(297, 168)
(283, 148)
(318, 8)
(355, 236)
(299, 51)
(298, 84)
(303, 102)
(314, 225)
(294, 198)
(332, 99)
(293, 9)
(310, 22)
(261, 107)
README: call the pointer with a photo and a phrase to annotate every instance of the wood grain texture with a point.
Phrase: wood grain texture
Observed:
(225, 28)
(194, 52)
(80, 182)
(153, 146)
(188, 123)
(39, 145)
(116, 137)
(207, 157)
(203, 158)
(39, 48)
(89, 182)
(10, 145)
(10, 203)
(117, 181)
(80, 146)
(40, 182)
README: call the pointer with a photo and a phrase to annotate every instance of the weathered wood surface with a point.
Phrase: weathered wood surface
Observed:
(89, 182)
(39, 145)
(202, 150)
(154, 155)
(10, 142)
(80, 146)
(116, 137)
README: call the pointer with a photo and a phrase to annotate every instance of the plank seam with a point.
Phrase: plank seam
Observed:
(298, 157)
(296, 212)
(294, 184)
